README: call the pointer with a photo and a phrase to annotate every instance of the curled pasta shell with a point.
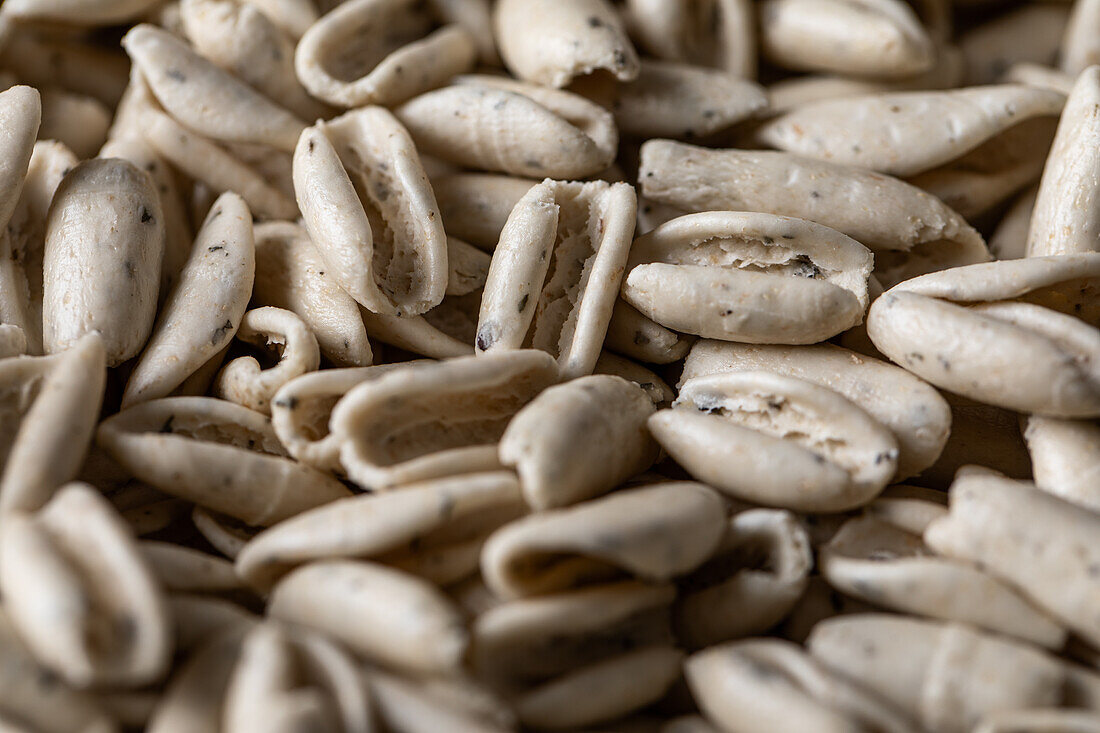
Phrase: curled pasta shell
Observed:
(1029, 538)
(108, 623)
(724, 602)
(90, 285)
(599, 421)
(382, 236)
(968, 330)
(555, 274)
(207, 99)
(653, 533)
(375, 611)
(439, 512)
(872, 131)
(50, 408)
(749, 277)
(890, 567)
(511, 127)
(24, 242)
(892, 216)
(379, 52)
(878, 38)
(946, 676)
(244, 381)
(214, 166)
(550, 42)
(31, 692)
(543, 636)
(914, 411)
(777, 441)
(427, 420)
(290, 274)
(1064, 220)
(761, 685)
(216, 454)
(204, 311)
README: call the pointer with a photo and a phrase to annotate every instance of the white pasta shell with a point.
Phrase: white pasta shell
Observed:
(762, 685)
(777, 441)
(375, 611)
(387, 249)
(912, 410)
(555, 274)
(301, 409)
(48, 707)
(602, 691)
(890, 567)
(876, 38)
(50, 408)
(550, 42)
(653, 533)
(1039, 543)
(947, 676)
(599, 422)
(440, 512)
(426, 420)
(715, 33)
(245, 41)
(214, 166)
(475, 206)
(290, 274)
(244, 381)
(177, 231)
(217, 454)
(379, 52)
(101, 267)
(23, 242)
(1066, 218)
(205, 98)
(107, 622)
(952, 331)
(511, 127)
(727, 598)
(907, 133)
(757, 278)
(541, 636)
(204, 311)
(890, 214)
(1065, 458)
